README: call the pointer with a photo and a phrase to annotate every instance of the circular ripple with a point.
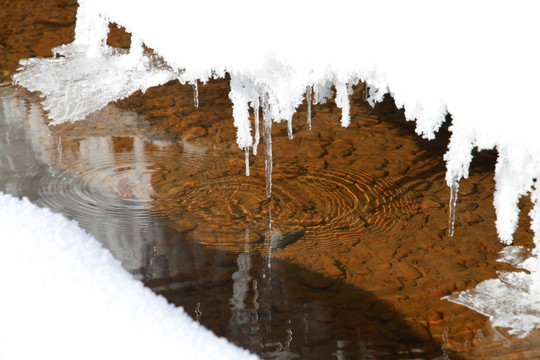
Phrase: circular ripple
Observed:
(325, 208)
(103, 193)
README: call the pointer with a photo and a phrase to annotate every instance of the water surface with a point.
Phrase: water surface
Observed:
(348, 260)
(235, 281)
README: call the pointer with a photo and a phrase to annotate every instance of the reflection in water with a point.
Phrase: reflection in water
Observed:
(106, 191)
(260, 314)
(241, 316)
(272, 307)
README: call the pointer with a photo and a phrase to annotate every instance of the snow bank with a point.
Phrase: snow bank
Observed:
(65, 297)
(475, 60)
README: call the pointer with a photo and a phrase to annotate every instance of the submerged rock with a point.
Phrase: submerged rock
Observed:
(194, 132)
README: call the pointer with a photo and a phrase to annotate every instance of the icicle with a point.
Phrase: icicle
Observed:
(289, 128)
(196, 93)
(240, 100)
(308, 102)
(453, 202)
(458, 159)
(246, 150)
(342, 101)
(255, 105)
(267, 135)
(321, 92)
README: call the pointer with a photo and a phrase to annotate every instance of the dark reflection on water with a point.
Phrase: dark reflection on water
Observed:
(280, 310)
(107, 192)
(272, 307)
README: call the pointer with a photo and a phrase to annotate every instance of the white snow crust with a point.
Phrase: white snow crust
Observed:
(66, 297)
(477, 61)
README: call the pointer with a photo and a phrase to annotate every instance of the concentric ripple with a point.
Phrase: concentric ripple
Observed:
(58, 189)
(103, 192)
(325, 208)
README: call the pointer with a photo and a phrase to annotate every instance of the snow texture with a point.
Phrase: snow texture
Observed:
(474, 60)
(65, 297)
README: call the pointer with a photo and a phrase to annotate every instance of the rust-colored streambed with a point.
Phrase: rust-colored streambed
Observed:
(347, 260)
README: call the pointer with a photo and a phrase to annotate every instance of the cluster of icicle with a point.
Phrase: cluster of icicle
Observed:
(88, 74)
(245, 93)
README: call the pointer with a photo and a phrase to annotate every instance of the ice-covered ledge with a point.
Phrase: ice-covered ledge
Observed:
(476, 60)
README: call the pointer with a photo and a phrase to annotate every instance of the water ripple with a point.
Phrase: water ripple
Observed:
(325, 207)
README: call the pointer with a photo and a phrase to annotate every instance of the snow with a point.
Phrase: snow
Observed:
(474, 60)
(65, 297)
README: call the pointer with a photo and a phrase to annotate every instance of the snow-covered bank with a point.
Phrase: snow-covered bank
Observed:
(476, 61)
(65, 297)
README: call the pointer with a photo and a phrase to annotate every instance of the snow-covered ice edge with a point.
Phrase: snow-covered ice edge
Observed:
(476, 61)
(64, 296)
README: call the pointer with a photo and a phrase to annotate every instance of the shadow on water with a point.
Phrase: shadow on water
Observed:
(482, 161)
(280, 310)
(273, 307)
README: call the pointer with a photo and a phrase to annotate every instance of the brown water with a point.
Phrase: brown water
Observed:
(348, 260)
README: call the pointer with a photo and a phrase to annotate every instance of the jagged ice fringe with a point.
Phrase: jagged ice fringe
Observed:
(69, 95)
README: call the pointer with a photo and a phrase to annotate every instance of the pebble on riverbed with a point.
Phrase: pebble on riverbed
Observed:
(194, 132)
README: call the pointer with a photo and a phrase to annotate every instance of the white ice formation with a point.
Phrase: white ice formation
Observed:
(512, 300)
(474, 60)
(65, 297)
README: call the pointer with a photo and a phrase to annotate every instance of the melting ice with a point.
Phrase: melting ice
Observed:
(477, 62)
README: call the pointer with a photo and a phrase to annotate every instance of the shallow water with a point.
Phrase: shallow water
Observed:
(229, 279)
(322, 270)
(348, 260)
